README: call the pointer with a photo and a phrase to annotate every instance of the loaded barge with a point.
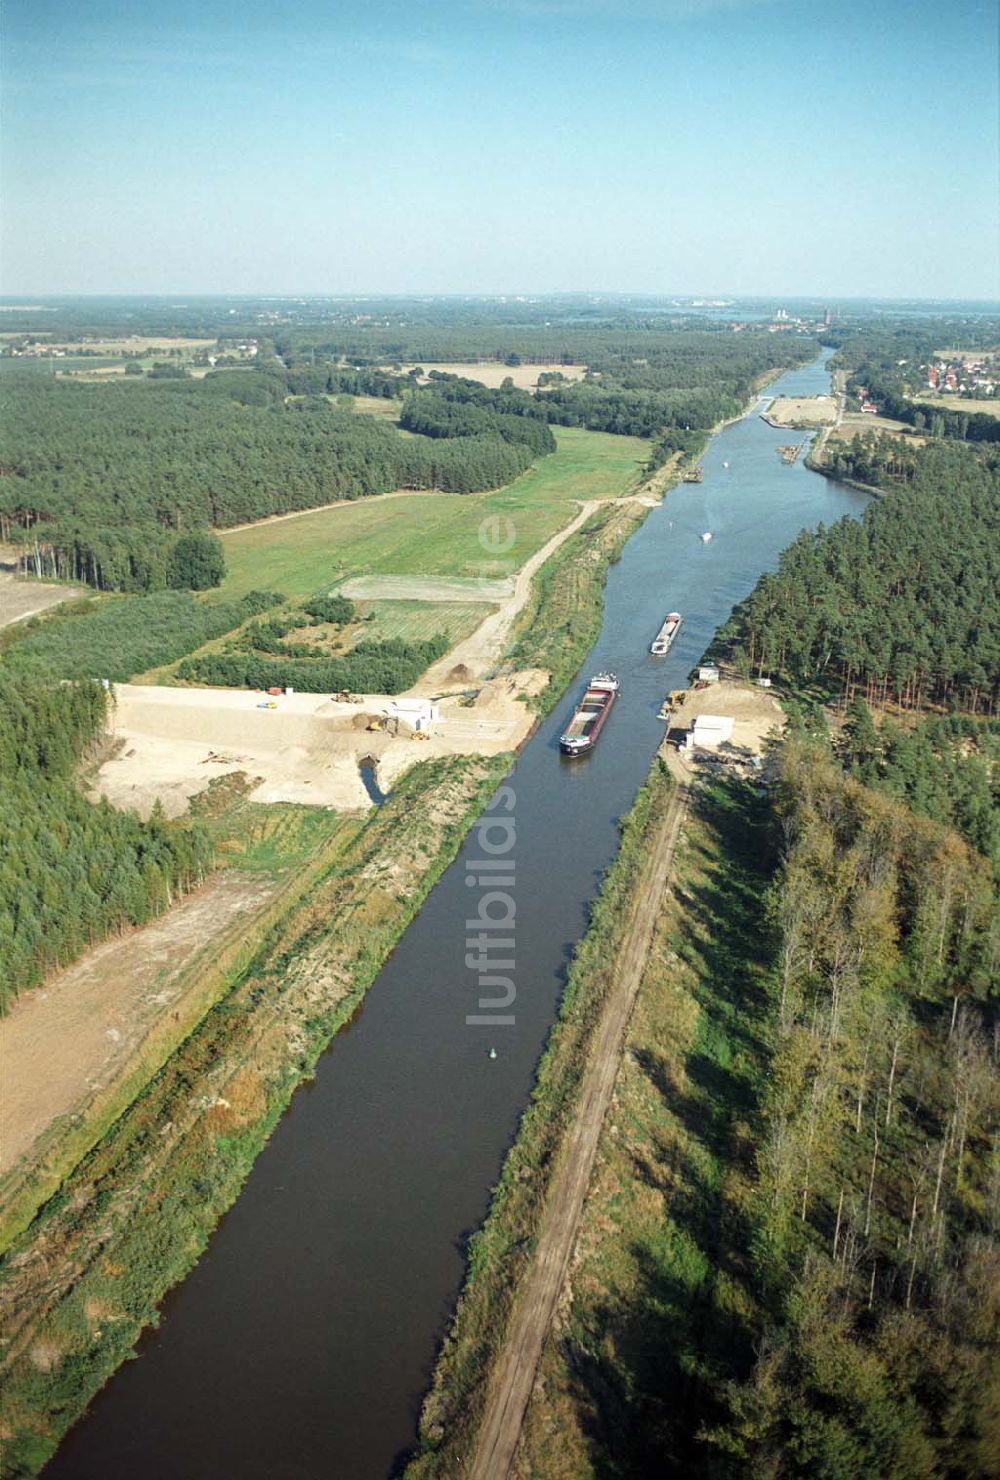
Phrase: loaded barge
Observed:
(663, 641)
(591, 712)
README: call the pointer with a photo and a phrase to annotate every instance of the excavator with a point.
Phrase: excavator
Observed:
(389, 725)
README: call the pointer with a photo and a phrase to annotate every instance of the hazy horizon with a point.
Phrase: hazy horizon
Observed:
(441, 149)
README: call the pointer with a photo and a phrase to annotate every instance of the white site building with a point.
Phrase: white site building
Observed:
(709, 731)
(417, 714)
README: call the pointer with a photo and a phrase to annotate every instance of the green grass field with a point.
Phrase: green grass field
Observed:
(418, 621)
(430, 534)
(375, 406)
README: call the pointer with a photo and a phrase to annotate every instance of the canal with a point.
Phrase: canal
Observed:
(301, 1345)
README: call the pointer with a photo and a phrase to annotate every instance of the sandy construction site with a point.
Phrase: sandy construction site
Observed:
(170, 743)
(801, 411)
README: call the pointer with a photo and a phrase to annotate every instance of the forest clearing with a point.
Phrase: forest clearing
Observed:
(78, 1048)
(68, 1041)
(493, 373)
(433, 533)
(20, 600)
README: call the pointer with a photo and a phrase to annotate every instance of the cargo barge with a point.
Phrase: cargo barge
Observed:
(663, 641)
(591, 712)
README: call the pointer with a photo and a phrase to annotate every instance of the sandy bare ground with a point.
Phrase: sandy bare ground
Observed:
(172, 742)
(20, 600)
(801, 411)
(68, 1039)
(493, 374)
(854, 422)
(756, 711)
(514, 1376)
(427, 588)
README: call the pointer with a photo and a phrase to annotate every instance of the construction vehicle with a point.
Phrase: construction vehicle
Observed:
(344, 696)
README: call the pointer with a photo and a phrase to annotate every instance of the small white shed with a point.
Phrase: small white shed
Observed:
(419, 714)
(708, 673)
(711, 730)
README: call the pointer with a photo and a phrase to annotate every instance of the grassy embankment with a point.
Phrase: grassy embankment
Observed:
(562, 620)
(136, 1214)
(289, 845)
(501, 1252)
(664, 1299)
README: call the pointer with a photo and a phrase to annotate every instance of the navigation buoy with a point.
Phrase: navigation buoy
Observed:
(725, 465)
(492, 1053)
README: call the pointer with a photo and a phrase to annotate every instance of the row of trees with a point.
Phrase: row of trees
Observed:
(70, 871)
(387, 667)
(431, 414)
(902, 605)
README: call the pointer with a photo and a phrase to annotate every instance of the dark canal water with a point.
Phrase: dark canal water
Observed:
(301, 1345)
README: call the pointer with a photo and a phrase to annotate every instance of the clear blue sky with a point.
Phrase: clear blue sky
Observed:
(724, 146)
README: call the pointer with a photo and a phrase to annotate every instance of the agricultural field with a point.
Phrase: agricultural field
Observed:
(419, 621)
(430, 534)
(971, 406)
(853, 423)
(145, 344)
(374, 406)
(493, 373)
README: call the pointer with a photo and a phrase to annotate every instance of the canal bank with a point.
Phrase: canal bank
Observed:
(302, 1343)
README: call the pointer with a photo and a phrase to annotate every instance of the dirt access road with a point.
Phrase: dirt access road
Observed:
(482, 650)
(514, 1377)
(64, 1042)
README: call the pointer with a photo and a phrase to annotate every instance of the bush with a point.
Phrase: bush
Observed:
(197, 561)
(330, 609)
(372, 667)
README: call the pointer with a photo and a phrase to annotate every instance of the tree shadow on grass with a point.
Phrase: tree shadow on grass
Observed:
(647, 1375)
